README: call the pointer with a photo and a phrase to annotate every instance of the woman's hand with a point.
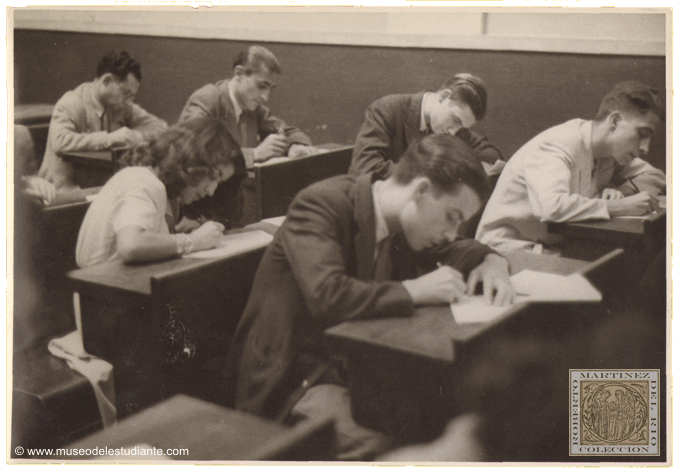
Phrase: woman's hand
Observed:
(207, 236)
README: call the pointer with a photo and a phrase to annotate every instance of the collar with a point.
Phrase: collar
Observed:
(236, 106)
(380, 226)
(423, 127)
(95, 103)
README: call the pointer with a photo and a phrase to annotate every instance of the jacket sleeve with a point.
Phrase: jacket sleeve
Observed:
(372, 152)
(269, 124)
(547, 177)
(319, 264)
(645, 176)
(463, 255)
(484, 150)
(141, 120)
(66, 135)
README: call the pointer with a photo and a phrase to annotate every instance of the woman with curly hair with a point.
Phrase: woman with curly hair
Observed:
(128, 221)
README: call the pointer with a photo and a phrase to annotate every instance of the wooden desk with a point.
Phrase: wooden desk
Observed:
(212, 432)
(93, 168)
(273, 185)
(36, 118)
(589, 240)
(404, 374)
(155, 320)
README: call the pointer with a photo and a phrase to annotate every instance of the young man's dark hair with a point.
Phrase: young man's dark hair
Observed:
(470, 90)
(447, 161)
(119, 65)
(633, 97)
(253, 57)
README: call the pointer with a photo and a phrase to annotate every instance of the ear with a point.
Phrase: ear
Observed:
(614, 119)
(422, 186)
(108, 78)
(239, 71)
(444, 94)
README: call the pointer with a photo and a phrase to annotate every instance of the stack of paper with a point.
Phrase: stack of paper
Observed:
(529, 286)
(235, 243)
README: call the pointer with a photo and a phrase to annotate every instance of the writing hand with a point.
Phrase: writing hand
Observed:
(207, 236)
(274, 145)
(444, 285)
(125, 137)
(637, 204)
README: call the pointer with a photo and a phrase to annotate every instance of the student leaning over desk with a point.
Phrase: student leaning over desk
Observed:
(579, 170)
(394, 122)
(98, 115)
(132, 218)
(358, 247)
(240, 102)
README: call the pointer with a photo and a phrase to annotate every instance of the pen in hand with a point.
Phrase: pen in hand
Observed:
(634, 185)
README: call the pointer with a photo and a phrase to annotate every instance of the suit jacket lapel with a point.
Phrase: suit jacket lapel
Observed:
(412, 126)
(366, 228)
(229, 111)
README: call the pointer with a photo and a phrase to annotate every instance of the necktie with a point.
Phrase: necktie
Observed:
(104, 121)
(383, 265)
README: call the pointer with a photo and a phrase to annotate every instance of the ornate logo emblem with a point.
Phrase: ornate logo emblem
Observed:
(614, 412)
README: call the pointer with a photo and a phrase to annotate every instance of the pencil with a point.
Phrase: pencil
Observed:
(634, 185)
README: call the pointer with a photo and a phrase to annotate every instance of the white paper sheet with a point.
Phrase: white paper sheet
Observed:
(235, 243)
(275, 220)
(530, 286)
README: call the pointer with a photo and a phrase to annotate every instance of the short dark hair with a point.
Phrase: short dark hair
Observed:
(187, 152)
(470, 90)
(633, 97)
(253, 57)
(447, 161)
(120, 65)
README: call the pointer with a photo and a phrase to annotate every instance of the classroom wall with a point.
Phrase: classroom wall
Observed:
(325, 88)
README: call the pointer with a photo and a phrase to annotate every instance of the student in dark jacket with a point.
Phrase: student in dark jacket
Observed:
(394, 122)
(358, 247)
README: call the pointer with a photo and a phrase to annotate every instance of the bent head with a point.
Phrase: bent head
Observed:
(120, 79)
(256, 72)
(460, 103)
(193, 157)
(448, 186)
(631, 113)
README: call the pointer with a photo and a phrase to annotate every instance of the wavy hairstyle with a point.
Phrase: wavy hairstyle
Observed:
(188, 152)
(470, 90)
(633, 97)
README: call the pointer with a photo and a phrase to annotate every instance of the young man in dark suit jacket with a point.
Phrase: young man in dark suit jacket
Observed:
(355, 247)
(394, 122)
(241, 103)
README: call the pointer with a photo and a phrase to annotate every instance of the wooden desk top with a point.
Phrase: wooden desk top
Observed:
(432, 331)
(94, 157)
(616, 228)
(208, 432)
(326, 148)
(138, 278)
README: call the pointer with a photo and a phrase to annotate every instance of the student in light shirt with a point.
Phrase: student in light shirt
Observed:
(579, 170)
(133, 216)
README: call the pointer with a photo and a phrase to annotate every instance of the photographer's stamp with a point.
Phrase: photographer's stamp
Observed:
(614, 412)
